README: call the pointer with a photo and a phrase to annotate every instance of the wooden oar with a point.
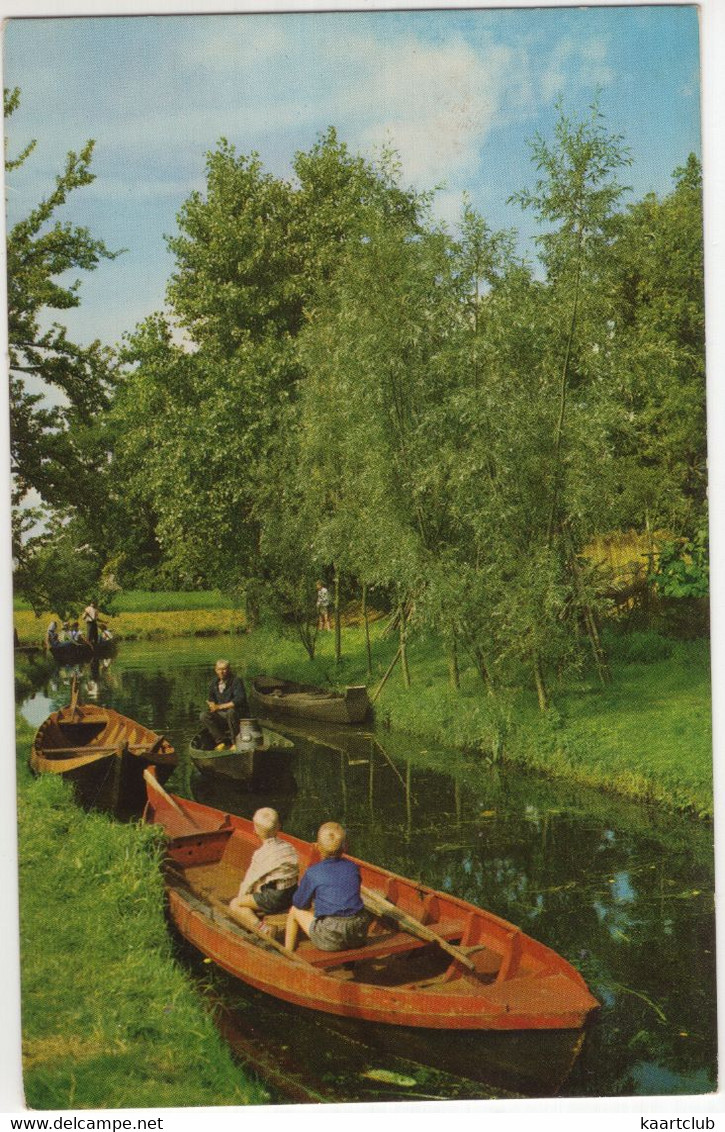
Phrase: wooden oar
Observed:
(379, 906)
(223, 908)
(154, 783)
(83, 749)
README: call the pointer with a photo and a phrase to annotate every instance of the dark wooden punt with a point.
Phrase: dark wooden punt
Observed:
(490, 977)
(254, 760)
(278, 698)
(77, 652)
(101, 751)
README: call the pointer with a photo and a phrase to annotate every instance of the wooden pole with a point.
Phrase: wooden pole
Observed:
(383, 682)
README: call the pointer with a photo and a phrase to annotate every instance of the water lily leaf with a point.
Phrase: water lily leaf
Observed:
(387, 1077)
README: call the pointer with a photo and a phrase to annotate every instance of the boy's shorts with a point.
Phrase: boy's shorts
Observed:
(340, 933)
(270, 899)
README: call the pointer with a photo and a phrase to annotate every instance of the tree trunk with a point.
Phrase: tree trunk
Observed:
(454, 673)
(308, 637)
(338, 631)
(403, 645)
(383, 682)
(590, 624)
(540, 685)
(368, 650)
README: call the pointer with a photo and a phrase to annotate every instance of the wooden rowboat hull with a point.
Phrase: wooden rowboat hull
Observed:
(283, 698)
(395, 979)
(103, 753)
(71, 652)
(261, 762)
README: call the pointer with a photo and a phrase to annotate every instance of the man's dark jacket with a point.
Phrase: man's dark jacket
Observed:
(236, 692)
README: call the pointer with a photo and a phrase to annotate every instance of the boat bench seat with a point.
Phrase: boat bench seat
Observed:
(388, 943)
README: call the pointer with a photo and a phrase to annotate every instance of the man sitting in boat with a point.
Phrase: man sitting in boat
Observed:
(226, 705)
(339, 921)
(271, 879)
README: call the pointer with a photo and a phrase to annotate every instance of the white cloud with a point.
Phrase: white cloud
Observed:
(434, 104)
(575, 64)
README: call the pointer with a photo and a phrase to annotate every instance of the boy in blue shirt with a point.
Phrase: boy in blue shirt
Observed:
(339, 920)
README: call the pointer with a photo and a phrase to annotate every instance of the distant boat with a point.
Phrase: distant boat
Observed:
(431, 962)
(101, 751)
(277, 698)
(259, 753)
(76, 652)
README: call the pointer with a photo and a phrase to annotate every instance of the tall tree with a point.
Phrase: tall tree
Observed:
(254, 255)
(577, 196)
(658, 335)
(56, 385)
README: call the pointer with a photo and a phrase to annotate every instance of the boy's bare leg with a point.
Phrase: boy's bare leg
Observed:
(296, 918)
(241, 908)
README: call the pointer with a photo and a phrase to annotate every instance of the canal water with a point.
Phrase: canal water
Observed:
(623, 891)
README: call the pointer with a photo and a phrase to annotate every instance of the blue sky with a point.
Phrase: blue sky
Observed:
(457, 93)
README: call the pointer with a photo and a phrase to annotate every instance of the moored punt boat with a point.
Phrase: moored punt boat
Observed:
(101, 751)
(276, 698)
(431, 961)
(253, 759)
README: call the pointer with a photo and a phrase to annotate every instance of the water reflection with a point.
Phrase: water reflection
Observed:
(624, 893)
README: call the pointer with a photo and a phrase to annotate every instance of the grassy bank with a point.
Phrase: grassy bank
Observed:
(110, 1020)
(646, 736)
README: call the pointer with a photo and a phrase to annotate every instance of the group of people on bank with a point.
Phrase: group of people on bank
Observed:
(272, 884)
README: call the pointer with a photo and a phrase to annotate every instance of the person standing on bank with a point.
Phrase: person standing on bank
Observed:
(323, 608)
(226, 705)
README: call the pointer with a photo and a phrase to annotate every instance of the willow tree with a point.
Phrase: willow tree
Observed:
(658, 333)
(254, 257)
(576, 199)
(377, 357)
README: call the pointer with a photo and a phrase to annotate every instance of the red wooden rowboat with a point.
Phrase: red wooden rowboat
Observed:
(473, 971)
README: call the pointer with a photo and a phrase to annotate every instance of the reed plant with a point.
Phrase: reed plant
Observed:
(110, 1019)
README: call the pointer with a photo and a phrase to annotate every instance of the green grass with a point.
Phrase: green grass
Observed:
(110, 1020)
(646, 736)
(145, 601)
(149, 601)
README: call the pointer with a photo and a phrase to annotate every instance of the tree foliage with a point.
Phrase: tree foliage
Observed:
(45, 451)
(344, 389)
(58, 388)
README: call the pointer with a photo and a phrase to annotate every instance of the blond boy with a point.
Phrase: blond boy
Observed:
(271, 879)
(339, 920)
